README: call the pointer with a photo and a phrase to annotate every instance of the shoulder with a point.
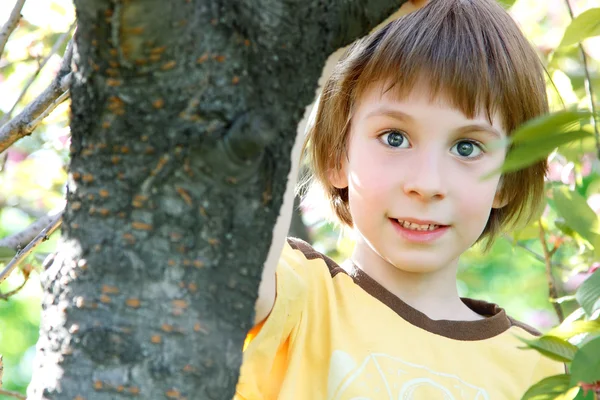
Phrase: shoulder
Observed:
(306, 250)
(300, 250)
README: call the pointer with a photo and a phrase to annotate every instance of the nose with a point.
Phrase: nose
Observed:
(425, 179)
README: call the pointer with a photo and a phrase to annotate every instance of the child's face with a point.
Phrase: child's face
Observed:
(411, 158)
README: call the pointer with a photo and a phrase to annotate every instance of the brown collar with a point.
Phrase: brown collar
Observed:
(495, 322)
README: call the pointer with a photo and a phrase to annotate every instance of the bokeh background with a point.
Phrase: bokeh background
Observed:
(34, 171)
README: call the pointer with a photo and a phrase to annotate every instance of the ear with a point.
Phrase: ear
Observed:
(337, 176)
(499, 201)
(500, 198)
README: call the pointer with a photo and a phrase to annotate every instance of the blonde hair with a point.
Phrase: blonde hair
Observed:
(473, 53)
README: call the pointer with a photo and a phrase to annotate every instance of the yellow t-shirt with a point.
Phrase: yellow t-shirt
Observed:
(336, 334)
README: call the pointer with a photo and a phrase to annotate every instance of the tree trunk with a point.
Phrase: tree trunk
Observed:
(183, 118)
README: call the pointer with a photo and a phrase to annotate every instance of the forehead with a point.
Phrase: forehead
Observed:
(418, 105)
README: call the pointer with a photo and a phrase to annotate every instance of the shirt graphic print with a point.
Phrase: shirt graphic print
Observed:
(381, 376)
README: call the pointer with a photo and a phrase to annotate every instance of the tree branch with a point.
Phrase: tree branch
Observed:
(345, 20)
(11, 24)
(6, 296)
(19, 240)
(26, 122)
(551, 284)
(61, 40)
(12, 394)
(41, 237)
(27, 59)
(588, 86)
(534, 254)
(348, 19)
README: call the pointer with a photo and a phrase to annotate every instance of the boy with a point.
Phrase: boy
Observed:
(402, 136)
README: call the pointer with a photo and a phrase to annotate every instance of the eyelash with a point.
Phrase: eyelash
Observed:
(474, 142)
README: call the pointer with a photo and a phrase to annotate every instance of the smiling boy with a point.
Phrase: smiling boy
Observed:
(401, 140)
(414, 225)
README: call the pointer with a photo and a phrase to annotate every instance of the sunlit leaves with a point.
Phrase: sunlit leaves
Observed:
(569, 330)
(507, 3)
(536, 139)
(552, 347)
(528, 153)
(588, 294)
(531, 231)
(542, 127)
(586, 364)
(33, 175)
(586, 25)
(550, 388)
(577, 213)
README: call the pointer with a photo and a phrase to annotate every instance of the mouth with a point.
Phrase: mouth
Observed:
(419, 225)
(419, 232)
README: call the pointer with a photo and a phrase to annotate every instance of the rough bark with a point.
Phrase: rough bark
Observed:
(183, 117)
(297, 227)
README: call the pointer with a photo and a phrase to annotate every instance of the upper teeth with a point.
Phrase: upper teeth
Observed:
(410, 225)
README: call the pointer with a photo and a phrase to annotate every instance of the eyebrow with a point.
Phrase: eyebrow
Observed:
(402, 116)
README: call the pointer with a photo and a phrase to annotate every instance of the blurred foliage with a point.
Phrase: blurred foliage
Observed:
(33, 173)
(33, 176)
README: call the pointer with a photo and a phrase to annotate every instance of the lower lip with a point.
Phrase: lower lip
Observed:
(419, 236)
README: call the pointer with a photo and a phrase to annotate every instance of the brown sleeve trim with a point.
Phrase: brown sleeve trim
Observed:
(311, 254)
(525, 327)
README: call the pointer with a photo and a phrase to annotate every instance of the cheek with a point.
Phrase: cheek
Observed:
(369, 177)
(475, 198)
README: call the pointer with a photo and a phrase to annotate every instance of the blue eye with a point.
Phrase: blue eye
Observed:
(395, 139)
(467, 149)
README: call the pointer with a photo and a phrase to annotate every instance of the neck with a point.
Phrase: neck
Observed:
(433, 293)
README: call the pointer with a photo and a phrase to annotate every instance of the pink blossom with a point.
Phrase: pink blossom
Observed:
(14, 157)
(567, 175)
(575, 281)
(586, 165)
(541, 319)
(554, 169)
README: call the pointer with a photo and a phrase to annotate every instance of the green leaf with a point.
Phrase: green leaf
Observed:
(536, 149)
(577, 213)
(596, 245)
(552, 347)
(531, 231)
(563, 227)
(507, 3)
(588, 294)
(568, 330)
(549, 388)
(585, 395)
(586, 25)
(586, 363)
(550, 124)
(537, 138)
(576, 315)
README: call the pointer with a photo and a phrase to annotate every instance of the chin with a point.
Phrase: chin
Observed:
(418, 264)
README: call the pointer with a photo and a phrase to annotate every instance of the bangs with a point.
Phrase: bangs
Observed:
(463, 52)
(467, 52)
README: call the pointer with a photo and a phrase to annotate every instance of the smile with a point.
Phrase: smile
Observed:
(417, 227)
(419, 233)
